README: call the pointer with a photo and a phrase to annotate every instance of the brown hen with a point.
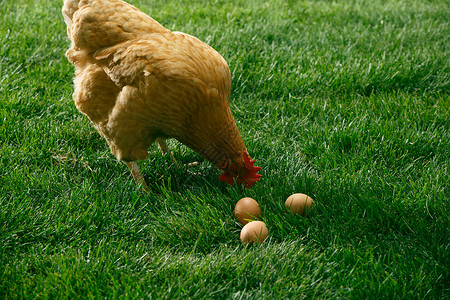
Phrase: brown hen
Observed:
(139, 82)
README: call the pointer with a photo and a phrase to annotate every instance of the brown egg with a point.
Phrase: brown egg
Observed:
(255, 231)
(247, 209)
(299, 204)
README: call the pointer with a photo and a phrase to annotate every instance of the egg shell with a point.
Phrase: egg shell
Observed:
(247, 209)
(255, 231)
(299, 203)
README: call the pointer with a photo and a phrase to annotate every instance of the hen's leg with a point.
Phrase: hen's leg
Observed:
(137, 175)
(165, 149)
(163, 145)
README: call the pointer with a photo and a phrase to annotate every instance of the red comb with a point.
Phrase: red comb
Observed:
(251, 177)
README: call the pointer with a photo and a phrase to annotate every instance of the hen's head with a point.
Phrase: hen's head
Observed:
(241, 171)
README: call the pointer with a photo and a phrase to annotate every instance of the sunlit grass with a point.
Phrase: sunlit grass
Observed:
(345, 101)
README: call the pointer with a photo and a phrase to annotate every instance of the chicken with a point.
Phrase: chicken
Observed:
(139, 82)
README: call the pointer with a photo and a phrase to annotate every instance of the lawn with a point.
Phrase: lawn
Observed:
(346, 101)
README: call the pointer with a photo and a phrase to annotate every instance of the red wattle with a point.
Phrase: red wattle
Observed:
(224, 177)
(248, 178)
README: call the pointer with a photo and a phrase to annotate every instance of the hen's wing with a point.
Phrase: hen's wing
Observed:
(175, 57)
(172, 84)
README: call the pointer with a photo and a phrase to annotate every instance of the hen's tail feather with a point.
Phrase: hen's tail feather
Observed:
(69, 8)
(92, 25)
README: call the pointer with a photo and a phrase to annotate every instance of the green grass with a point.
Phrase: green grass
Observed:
(346, 101)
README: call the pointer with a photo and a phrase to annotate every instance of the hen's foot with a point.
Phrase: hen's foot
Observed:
(193, 164)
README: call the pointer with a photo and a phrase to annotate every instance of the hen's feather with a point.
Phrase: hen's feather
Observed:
(138, 81)
(94, 24)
